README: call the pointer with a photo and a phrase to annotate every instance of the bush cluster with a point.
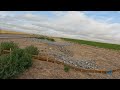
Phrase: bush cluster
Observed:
(46, 38)
(32, 50)
(16, 61)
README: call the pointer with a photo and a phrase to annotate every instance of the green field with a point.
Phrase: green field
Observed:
(92, 43)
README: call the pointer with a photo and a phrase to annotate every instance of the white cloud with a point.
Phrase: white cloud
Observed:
(59, 13)
(31, 17)
(67, 24)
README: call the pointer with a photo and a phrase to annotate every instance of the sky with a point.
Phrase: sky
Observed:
(101, 26)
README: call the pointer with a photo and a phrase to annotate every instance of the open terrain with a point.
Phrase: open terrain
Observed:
(82, 55)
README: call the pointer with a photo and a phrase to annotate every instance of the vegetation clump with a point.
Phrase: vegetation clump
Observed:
(46, 38)
(66, 68)
(17, 61)
(8, 45)
(32, 50)
(14, 63)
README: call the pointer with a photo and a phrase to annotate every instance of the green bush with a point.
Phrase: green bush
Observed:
(8, 45)
(23, 57)
(40, 37)
(14, 63)
(44, 37)
(50, 39)
(66, 68)
(31, 50)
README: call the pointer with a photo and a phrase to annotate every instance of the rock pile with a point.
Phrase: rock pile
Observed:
(64, 55)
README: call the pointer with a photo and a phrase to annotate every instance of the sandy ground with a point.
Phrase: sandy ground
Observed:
(105, 58)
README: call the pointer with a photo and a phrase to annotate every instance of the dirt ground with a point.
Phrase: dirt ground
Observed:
(105, 58)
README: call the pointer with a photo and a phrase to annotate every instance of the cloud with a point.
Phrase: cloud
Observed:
(4, 13)
(59, 13)
(72, 24)
(80, 24)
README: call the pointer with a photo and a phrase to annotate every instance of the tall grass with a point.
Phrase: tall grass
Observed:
(92, 43)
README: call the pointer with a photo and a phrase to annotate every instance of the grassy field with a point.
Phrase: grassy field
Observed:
(92, 43)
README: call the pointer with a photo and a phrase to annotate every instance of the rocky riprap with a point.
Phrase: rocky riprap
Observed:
(80, 63)
(63, 55)
(50, 42)
(86, 64)
(57, 45)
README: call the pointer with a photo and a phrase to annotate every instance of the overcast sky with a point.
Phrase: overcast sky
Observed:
(103, 26)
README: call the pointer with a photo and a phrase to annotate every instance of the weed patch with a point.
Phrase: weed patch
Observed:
(66, 68)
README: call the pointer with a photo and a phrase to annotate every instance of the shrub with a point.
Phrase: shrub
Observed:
(32, 50)
(50, 39)
(66, 68)
(13, 64)
(44, 37)
(41, 38)
(23, 57)
(8, 45)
